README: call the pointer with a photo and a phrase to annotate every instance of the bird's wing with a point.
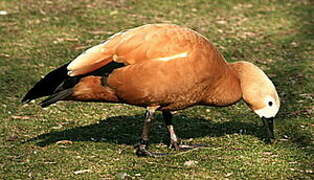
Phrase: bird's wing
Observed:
(94, 57)
(159, 42)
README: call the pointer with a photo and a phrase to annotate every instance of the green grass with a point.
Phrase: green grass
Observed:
(37, 36)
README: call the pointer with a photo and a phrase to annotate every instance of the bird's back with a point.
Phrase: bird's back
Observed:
(170, 66)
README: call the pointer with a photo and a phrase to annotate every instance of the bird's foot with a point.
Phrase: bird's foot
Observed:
(185, 147)
(269, 140)
(175, 145)
(141, 150)
(142, 146)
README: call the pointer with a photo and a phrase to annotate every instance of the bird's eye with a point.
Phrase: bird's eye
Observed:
(270, 103)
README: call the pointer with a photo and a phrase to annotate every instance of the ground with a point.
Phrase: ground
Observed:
(95, 140)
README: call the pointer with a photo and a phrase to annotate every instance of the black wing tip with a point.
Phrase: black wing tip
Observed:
(31, 95)
(47, 85)
(43, 105)
(26, 99)
(56, 97)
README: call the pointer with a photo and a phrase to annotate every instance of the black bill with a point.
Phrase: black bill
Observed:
(269, 126)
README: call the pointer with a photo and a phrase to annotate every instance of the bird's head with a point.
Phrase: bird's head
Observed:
(259, 93)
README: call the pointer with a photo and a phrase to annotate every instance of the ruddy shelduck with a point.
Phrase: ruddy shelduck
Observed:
(161, 67)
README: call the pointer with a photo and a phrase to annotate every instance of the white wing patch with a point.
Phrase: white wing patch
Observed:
(176, 56)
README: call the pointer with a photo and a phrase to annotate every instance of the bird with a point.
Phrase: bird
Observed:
(160, 67)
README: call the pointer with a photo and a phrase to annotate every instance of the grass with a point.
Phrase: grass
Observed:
(37, 36)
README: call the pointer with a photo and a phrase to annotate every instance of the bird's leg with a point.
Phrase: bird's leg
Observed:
(141, 148)
(174, 141)
(173, 137)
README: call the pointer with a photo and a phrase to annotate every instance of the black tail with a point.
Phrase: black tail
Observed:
(59, 85)
(56, 97)
(48, 84)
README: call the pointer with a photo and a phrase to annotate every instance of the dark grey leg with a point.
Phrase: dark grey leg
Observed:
(174, 141)
(141, 148)
(173, 137)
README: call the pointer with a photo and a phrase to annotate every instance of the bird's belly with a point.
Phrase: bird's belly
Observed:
(168, 99)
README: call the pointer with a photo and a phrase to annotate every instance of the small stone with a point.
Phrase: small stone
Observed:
(122, 175)
(57, 127)
(3, 13)
(20, 117)
(267, 153)
(64, 142)
(190, 163)
(114, 12)
(309, 171)
(221, 22)
(81, 171)
(294, 44)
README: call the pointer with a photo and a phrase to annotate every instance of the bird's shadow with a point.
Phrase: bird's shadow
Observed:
(127, 130)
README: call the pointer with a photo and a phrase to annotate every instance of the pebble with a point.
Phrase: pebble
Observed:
(122, 176)
(81, 171)
(190, 163)
(3, 13)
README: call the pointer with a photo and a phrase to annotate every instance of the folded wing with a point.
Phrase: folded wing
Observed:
(145, 43)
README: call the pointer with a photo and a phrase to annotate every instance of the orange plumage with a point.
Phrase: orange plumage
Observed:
(161, 67)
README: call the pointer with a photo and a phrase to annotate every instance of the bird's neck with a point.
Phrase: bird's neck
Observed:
(226, 90)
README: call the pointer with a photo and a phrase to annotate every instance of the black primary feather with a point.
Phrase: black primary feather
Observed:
(70, 82)
(56, 97)
(59, 85)
(48, 84)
